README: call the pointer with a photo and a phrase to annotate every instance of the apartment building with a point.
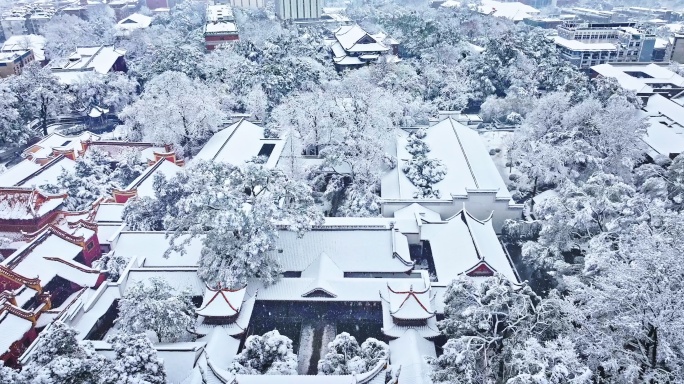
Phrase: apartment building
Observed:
(299, 9)
(589, 44)
(12, 63)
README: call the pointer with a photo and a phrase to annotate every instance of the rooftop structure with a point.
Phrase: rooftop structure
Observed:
(353, 47)
(13, 62)
(133, 23)
(220, 27)
(513, 10)
(143, 185)
(98, 59)
(241, 142)
(34, 43)
(351, 266)
(661, 91)
(27, 209)
(645, 79)
(471, 179)
(588, 44)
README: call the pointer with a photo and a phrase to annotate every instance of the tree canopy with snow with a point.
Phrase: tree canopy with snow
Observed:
(174, 109)
(60, 357)
(237, 211)
(270, 354)
(346, 357)
(168, 314)
(135, 360)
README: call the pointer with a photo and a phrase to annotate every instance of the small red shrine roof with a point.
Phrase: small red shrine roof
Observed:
(410, 305)
(221, 302)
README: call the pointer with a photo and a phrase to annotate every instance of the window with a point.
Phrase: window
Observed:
(266, 150)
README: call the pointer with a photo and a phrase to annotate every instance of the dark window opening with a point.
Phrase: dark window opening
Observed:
(266, 150)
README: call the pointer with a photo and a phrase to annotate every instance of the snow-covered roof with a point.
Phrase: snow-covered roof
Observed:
(409, 353)
(469, 166)
(576, 45)
(52, 254)
(56, 141)
(514, 10)
(151, 247)
(351, 250)
(665, 132)
(27, 203)
(144, 184)
(411, 304)
(349, 35)
(221, 302)
(109, 213)
(99, 59)
(17, 173)
(322, 271)
(220, 27)
(639, 77)
(240, 143)
(12, 329)
(48, 173)
(179, 278)
(334, 288)
(35, 43)
(465, 245)
(134, 21)
(293, 379)
(352, 39)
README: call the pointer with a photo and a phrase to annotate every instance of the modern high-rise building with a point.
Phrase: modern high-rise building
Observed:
(299, 9)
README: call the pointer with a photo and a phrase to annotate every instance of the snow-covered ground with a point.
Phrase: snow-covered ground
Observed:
(305, 349)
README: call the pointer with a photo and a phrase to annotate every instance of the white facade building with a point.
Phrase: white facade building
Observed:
(299, 9)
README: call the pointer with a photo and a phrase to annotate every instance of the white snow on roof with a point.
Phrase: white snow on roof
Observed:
(144, 184)
(26, 204)
(411, 304)
(152, 245)
(109, 212)
(240, 143)
(349, 35)
(469, 166)
(12, 329)
(221, 302)
(351, 250)
(99, 59)
(48, 256)
(35, 43)
(345, 289)
(105, 232)
(44, 148)
(18, 172)
(220, 27)
(24, 294)
(221, 347)
(655, 75)
(665, 132)
(322, 270)
(180, 279)
(134, 21)
(462, 243)
(49, 173)
(514, 10)
(409, 353)
(293, 379)
(577, 45)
